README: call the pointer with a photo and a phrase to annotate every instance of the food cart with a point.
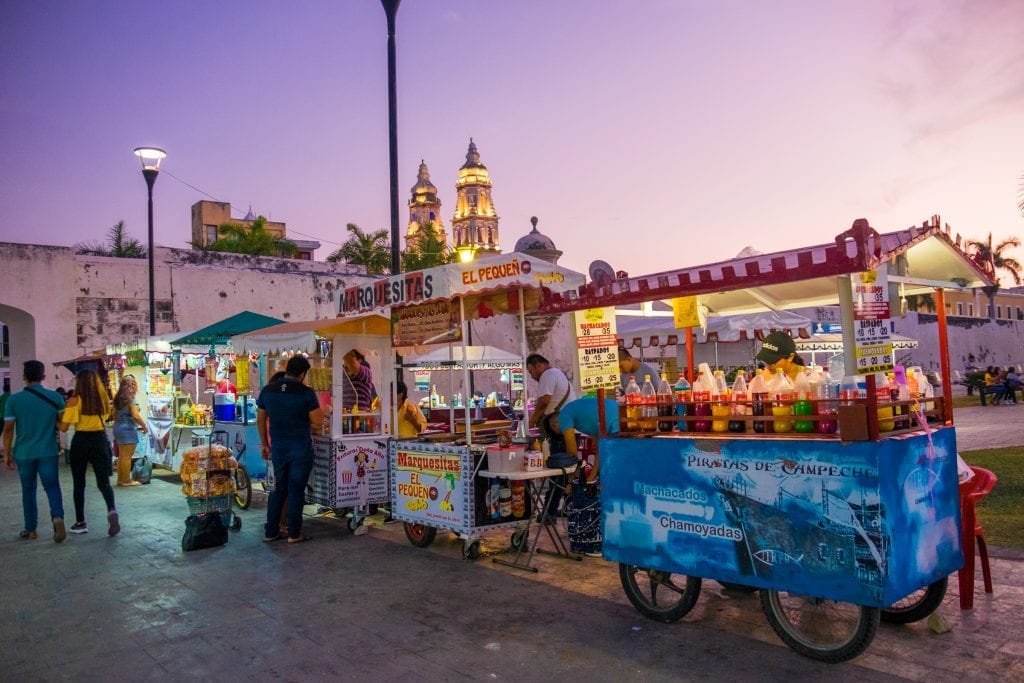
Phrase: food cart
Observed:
(829, 527)
(350, 457)
(435, 485)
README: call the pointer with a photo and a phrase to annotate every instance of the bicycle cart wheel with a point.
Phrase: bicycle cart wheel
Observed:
(243, 488)
(820, 629)
(918, 605)
(419, 535)
(471, 550)
(659, 595)
(519, 539)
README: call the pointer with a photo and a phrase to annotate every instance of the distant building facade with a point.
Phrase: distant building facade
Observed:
(207, 216)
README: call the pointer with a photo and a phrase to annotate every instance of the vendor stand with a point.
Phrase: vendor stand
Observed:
(830, 528)
(435, 484)
(222, 406)
(350, 457)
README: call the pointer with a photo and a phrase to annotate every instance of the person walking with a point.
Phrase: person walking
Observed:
(127, 423)
(287, 413)
(88, 410)
(30, 420)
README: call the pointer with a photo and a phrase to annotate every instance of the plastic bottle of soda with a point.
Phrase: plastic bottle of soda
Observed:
(649, 405)
(633, 406)
(720, 408)
(781, 390)
(683, 396)
(738, 400)
(702, 399)
(760, 403)
(664, 404)
(828, 392)
(802, 405)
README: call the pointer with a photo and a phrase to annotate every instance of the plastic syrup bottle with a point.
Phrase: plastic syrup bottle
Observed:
(927, 391)
(781, 390)
(914, 383)
(802, 406)
(886, 423)
(899, 375)
(738, 401)
(434, 398)
(682, 391)
(702, 399)
(760, 403)
(664, 404)
(649, 405)
(827, 393)
(633, 406)
(720, 408)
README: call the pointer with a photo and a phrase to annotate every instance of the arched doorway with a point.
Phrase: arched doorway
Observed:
(21, 337)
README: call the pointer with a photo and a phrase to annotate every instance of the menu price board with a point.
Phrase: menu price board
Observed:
(433, 323)
(872, 334)
(597, 357)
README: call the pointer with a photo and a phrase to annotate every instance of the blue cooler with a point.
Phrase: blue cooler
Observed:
(224, 407)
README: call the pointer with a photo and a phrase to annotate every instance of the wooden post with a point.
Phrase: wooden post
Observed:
(947, 386)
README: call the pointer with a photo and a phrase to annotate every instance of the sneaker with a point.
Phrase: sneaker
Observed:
(114, 525)
(59, 533)
(79, 528)
(27, 535)
(593, 554)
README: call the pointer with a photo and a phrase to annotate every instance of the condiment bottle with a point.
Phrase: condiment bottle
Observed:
(633, 404)
(781, 390)
(802, 405)
(760, 403)
(738, 399)
(649, 405)
(683, 396)
(702, 399)
(720, 407)
(664, 399)
(827, 393)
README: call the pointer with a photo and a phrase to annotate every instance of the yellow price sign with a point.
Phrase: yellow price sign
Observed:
(684, 312)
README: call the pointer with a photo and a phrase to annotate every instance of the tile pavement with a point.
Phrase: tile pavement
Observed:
(373, 608)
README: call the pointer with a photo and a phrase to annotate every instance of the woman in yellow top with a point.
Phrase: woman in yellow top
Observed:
(88, 410)
(410, 420)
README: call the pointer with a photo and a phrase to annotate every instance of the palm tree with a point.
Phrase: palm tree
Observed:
(915, 302)
(993, 259)
(255, 240)
(119, 244)
(428, 250)
(369, 249)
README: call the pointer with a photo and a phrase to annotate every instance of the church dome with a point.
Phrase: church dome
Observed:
(538, 244)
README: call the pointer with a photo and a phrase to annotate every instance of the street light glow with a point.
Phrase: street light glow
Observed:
(150, 156)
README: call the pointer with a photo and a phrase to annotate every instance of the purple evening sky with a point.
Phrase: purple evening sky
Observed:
(652, 134)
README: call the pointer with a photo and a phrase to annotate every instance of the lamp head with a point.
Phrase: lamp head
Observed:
(466, 252)
(150, 157)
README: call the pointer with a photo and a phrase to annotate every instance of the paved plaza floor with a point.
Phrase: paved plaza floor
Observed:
(375, 608)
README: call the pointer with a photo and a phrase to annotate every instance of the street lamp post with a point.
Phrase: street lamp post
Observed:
(467, 252)
(391, 10)
(150, 158)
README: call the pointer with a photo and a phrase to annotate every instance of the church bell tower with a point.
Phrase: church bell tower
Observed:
(424, 207)
(475, 222)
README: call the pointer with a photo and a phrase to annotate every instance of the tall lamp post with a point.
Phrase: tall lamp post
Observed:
(467, 252)
(150, 158)
(391, 10)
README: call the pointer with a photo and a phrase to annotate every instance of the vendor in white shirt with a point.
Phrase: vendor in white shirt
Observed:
(554, 391)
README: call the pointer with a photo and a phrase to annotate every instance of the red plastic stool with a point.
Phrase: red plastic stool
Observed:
(972, 492)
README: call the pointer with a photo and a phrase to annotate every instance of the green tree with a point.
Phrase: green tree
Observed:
(119, 244)
(369, 249)
(427, 251)
(915, 302)
(255, 240)
(993, 259)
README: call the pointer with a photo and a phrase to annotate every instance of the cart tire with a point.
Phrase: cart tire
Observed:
(824, 630)
(354, 522)
(471, 551)
(419, 535)
(659, 595)
(519, 539)
(236, 523)
(243, 488)
(918, 605)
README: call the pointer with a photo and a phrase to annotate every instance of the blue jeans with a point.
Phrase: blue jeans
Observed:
(292, 460)
(46, 468)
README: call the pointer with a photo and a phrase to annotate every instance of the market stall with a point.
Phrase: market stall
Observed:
(830, 526)
(435, 485)
(350, 457)
(210, 392)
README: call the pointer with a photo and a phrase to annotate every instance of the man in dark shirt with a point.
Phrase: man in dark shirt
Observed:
(293, 412)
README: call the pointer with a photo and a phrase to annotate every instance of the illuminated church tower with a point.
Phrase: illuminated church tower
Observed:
(475, 221)
(424, 207)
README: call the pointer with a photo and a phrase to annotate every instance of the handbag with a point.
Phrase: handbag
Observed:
(205, 530)
(142, 470)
